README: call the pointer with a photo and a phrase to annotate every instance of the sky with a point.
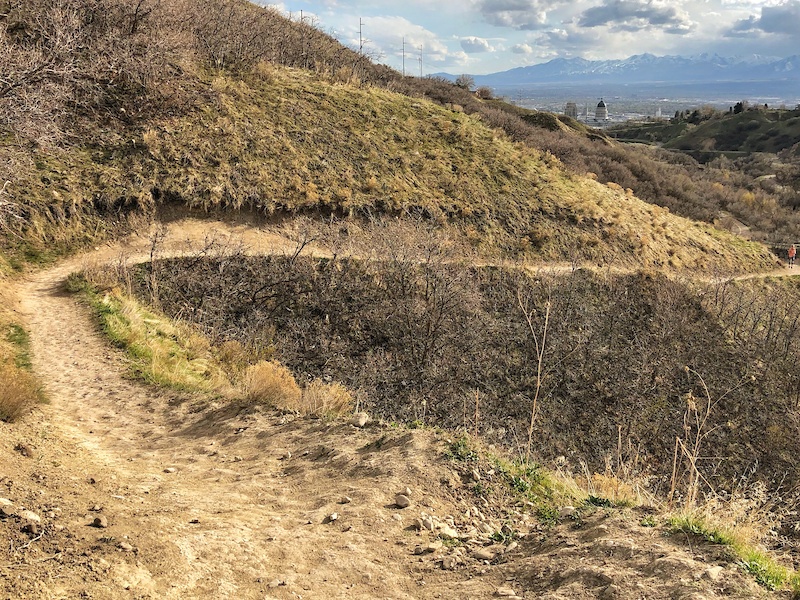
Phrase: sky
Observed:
(488, 36)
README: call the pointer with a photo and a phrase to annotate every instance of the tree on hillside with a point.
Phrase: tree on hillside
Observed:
(484, 93)
(465, 82)
(740, 107)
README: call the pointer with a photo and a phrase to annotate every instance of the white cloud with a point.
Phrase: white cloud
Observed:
(783, 18)
(637, 15)
(517, 14)
(522, 49)
(476, 45)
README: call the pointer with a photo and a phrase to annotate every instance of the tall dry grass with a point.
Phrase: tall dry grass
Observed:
(18, 392)
(327, 400)
(270, 383)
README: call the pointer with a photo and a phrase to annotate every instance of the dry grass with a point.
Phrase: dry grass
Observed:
(18, 392)
(619, 492)
(329, 400)
(270, 383)
(162, 351)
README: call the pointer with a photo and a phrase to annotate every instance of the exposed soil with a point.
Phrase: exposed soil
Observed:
(201, 497)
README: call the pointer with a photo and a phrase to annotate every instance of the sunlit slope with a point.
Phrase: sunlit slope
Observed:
(288, 141)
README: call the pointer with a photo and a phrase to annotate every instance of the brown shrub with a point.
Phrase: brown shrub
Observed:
(18, 393)
(272, 384)
(326, 399)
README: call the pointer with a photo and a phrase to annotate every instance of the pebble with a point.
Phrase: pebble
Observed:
(100, 522)
(125, 547)
(406, 491)
(713, 573)
(449, 563)
(345, 500)
(448, 532)
(332, 517)
(397, 517)
(612, 592)
(505, 592)
(276, 583)
(427, 523)
(428, 548)
(24, 449)
(402, 501)
(27, 515)
(360, 419)
(170, 470)
(484, 554)
(567, 511)
(31, 527)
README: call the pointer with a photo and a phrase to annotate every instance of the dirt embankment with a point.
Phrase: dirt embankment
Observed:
(119, 490)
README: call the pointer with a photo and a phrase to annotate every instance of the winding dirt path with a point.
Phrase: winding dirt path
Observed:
(200, 497)
(203, 498)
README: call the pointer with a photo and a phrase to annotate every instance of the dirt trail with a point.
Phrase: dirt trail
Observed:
(208, 499)
(201, 498)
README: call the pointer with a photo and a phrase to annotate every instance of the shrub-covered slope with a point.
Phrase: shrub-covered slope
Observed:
(749, 131)
(629, 363)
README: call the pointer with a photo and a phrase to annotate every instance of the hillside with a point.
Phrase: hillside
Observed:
(258, 294)
(289, 142)
(708, 132)
(748, 131)
(118, 489)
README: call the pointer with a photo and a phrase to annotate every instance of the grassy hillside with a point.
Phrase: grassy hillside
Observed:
(748, 131)
(287, 141)
(752, 130)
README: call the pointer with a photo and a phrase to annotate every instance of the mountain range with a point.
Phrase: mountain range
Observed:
(648, 68)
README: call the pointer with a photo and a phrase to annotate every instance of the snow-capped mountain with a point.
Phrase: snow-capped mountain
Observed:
(650, 68)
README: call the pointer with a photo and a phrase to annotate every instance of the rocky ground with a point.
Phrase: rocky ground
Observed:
(115, 489)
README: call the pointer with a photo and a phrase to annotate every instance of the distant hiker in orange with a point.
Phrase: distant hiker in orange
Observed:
(792, 254)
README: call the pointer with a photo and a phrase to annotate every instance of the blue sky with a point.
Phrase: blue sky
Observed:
(486, 36)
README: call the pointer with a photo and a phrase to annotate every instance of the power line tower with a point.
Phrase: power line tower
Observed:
(404, 56)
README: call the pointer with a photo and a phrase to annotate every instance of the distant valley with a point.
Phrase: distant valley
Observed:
(644, 83)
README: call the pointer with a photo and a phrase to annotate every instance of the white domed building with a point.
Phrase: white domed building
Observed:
(601, 113)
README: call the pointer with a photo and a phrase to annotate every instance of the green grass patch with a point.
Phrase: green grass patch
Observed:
(528, 480)
(161, 351)
(759, 563)
(462, 450)
(21, 342)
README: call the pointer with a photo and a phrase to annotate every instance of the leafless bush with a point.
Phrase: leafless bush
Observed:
(70, 58)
